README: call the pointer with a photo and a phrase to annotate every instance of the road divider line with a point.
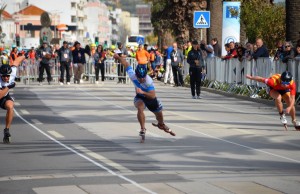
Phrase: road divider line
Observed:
(102, 159)
(56, 134)
(85, 157)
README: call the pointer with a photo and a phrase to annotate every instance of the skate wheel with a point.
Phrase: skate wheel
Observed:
(6, 140)
(285, 127)
(142, 140)
(297, 128)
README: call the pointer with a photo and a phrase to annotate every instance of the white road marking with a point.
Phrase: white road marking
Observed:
(56, 134)
(17, 104)
(205, 134)
(37, 122)
(85, 157)
(24, 112)
(102, 159)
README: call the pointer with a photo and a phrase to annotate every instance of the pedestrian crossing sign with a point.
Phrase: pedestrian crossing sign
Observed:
(201, 19)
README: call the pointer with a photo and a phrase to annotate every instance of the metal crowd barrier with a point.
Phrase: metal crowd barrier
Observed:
(232, 72)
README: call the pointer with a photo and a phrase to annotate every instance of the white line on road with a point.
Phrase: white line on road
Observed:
(24, 112)
(37, 122)
(102, 159)
(85, 157)
(205, 134)
(17, 104)
(56, 134)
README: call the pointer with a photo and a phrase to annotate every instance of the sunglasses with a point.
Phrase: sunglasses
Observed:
(288, 46)
(285, 83)
(5, 75)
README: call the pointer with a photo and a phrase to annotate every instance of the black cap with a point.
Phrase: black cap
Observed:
(195, 42)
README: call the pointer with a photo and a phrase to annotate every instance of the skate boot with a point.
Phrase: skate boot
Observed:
(283, 118)
(6, 136)
(142, 135)
(164, 127)
(296, 125)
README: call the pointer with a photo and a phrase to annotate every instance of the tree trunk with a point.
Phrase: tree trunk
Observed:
(292, 20)
(216, 14)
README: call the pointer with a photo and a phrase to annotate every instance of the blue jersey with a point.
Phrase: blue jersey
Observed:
(146, 86)
(168, 52)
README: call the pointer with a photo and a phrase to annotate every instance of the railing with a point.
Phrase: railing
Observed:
(228, 75)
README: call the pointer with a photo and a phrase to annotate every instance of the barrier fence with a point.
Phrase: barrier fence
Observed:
(228, 75)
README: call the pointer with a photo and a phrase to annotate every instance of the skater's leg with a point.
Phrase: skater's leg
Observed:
(277, 97)
(139, 104)
(288, 100)
(159, 117)
(9, 106)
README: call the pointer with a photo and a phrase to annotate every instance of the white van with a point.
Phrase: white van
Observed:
(134, 40)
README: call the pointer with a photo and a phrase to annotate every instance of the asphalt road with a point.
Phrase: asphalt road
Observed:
(84, 139)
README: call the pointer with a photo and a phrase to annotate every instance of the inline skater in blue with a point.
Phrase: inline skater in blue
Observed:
(145, 97)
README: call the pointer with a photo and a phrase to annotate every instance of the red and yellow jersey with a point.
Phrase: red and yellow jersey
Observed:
(275, 83)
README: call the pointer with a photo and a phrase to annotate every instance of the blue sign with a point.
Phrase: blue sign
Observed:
(201, 19)
(140, 40)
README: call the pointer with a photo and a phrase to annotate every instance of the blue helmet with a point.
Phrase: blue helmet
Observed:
(141, 71)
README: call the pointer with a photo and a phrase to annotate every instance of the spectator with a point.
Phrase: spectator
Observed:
(121, 70)
(208, 49)
(142, 56)
(231, 51)
(279, 51)
(288, 53)
(13, 55)
(78, 55)
(177, 64)
(99, 58)
(249, 51)
(196, 62)
(168, 72)
(65, 58)
(4, 58)
(241, 52)
(216, 46)
(297, 53)
(188, 47)
(262, 51)
(44, 56)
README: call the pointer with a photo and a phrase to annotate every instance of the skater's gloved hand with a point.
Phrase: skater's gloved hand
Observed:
(12, 85)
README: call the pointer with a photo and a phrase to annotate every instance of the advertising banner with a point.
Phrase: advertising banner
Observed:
(231, 23)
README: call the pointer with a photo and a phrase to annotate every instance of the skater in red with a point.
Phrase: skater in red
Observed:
(145, 96)
(281, 87)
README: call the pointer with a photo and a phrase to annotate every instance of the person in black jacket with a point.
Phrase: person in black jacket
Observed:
(196, 62)
(65, 58)
(78, 61)
(261, 51)
(44, 55)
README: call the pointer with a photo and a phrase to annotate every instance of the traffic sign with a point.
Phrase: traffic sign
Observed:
(140, 40)
(201, 19)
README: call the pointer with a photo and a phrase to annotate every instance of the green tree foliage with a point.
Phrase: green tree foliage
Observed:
(265, 20)
(175, 16)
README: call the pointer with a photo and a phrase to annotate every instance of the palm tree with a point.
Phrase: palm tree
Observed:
(292, 20)
(216, 10)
